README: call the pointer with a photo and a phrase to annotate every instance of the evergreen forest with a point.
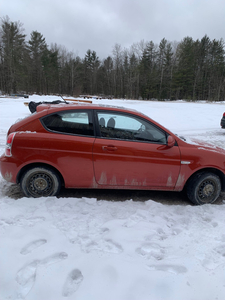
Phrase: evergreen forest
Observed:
(188, 69)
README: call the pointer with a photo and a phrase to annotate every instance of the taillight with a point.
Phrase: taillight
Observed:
(224, 114)
(8, 148)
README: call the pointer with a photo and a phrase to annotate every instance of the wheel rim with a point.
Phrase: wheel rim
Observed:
(40, 184)
(207, 191)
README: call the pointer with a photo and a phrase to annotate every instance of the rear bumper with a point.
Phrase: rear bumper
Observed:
(8, 168)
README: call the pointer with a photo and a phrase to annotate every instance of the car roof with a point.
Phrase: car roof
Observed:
(59, 107)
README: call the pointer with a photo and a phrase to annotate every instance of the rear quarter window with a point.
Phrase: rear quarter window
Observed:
(70, 122)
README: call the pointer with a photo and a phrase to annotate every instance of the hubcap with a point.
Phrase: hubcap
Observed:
(206, 190)
(40, 184)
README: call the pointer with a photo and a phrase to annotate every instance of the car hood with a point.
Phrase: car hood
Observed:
(204, 145)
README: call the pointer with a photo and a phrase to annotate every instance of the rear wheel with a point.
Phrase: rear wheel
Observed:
(204, 188)
(40, 182)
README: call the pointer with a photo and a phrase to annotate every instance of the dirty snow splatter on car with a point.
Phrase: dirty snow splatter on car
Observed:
(77, 246)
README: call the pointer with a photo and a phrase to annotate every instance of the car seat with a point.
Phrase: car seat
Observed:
(111, 123)
(102, 122)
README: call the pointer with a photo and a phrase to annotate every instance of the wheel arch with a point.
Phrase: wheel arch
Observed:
(209, 170)
(33, 165)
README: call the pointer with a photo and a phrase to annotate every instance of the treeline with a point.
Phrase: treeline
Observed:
(191, 70)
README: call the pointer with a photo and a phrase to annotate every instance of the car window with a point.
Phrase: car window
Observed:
(71, 122)
(127, 127)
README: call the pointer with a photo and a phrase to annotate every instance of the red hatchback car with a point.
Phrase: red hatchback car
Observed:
(91, 146)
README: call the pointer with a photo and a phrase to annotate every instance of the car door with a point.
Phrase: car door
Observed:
(131, 151)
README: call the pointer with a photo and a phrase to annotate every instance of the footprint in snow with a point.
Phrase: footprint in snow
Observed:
(72, 282)
(175, 269)
(32, 245)
(53, 258)
(106, 245)
(26, 276)
(220, 249)
(111, 246)
(151, 250)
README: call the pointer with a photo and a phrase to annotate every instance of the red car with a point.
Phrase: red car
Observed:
(91, 146)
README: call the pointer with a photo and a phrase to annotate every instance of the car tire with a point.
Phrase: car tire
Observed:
(40, 182)
(204, 188)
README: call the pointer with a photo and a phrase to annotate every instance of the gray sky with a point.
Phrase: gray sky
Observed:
(98, 25)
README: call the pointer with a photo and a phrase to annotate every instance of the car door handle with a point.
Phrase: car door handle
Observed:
(109, 148)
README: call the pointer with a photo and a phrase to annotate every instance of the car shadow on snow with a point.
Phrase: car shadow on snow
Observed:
(169, 198)
(124, 195)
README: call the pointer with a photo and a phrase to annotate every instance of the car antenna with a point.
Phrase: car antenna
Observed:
(63, 99)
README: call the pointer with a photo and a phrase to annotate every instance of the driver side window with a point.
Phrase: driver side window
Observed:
(114, 125)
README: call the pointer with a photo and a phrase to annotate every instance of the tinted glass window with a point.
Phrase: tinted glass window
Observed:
(127, 127)
(72, 122)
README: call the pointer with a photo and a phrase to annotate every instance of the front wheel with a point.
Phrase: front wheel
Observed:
(40, 182)
(204, 188)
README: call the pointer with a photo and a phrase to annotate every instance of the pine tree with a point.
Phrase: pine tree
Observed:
(37, 48)
(148, 72)
(12, 55)
(184, 74)
(91, 66)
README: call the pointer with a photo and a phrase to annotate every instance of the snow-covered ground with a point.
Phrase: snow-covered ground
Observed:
(82, 248)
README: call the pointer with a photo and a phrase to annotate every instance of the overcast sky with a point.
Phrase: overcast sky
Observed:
(98, 25)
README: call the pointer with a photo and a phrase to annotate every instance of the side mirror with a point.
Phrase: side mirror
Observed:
(170, 141)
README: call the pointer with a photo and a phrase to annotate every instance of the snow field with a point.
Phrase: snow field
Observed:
(81, 248)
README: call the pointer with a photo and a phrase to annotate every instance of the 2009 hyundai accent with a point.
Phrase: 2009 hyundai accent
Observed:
(91, 146)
